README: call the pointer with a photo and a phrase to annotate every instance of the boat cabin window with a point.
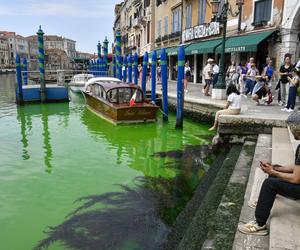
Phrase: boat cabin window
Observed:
(123, 95)
(113, 96)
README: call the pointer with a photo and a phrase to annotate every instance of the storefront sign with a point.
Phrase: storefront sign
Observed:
(201, 31)
(235, 49)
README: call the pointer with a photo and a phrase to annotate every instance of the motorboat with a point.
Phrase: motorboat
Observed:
(118, 102)
(77, 83)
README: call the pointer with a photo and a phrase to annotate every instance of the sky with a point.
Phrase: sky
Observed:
(85, 21)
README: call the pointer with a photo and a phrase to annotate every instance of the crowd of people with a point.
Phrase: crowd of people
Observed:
(246, 80)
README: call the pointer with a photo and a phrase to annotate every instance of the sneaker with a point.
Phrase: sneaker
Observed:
(253, 228)
(289, 110)
(285, 109)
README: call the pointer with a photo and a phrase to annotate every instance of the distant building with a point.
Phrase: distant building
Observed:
(4, 52)
(17, 45)
(57, 59)
(62, 43)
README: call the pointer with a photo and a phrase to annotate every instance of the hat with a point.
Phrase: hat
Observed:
(210, 60)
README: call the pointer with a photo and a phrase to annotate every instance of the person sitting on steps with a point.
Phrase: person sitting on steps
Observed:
(233, 104)
(283, 180)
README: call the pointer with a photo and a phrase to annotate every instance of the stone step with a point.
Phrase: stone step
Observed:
(285, 215)
(222, 228)
(256, 177)
(196, 233)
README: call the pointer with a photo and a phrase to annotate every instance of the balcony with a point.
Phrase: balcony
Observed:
(136, 23)
(158, 39)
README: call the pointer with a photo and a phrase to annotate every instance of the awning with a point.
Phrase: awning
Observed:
(246, 43)
(172, 51)
(203, 47)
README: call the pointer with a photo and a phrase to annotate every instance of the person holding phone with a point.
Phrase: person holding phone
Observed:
(283, 180)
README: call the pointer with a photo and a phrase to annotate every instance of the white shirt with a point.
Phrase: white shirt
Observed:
(207, 71)
(216, 69)
(186, 69)
(235, 101)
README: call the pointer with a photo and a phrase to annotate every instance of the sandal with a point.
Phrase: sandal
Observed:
(253, 228)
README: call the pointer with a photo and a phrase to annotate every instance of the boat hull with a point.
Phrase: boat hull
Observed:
(139, 113)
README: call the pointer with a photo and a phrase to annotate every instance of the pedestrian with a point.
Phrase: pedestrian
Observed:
(260, 89)
(140, 70)
(232, 73)
(187, 75)
(232, 107)
(285, 71)
(215, 72)
(298, 64)
(293, 85)
(251, 61)
(207, 75)
(251, 78)
(158, 73)
(242, 79)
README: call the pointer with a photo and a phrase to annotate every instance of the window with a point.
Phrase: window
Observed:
(188, 19)
(221, 6)
(166, 25)
(159, 28)
(148, 32)
(262, 11)
(125, 95)
(158, 2)
(176, 20)
(201, 11)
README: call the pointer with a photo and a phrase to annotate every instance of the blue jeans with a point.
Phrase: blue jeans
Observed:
(215, 79)
(249, 86)
(292, 97)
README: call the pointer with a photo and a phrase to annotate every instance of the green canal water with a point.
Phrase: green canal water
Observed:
(70, 180)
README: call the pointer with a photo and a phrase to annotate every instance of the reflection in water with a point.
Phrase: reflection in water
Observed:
(22, 120)
(46, 139)
(134, 218)
(24, 116)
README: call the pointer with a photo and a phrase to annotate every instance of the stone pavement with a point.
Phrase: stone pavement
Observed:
(270, 115)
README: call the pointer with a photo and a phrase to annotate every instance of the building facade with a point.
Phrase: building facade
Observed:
(263, 28)
(4, 52)
(133, 21)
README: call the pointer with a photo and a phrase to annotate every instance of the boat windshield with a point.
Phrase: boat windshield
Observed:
(123, 95)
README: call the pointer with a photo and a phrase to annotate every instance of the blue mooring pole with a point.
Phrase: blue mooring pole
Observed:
(144, 72)
(180, 97)
(105, 54)
(153, 76)
(124, 68)
(99, 49)
(25, 71)
(40, 34)
(118, 53)
(19, 80)
(98, 67)
(135, 68)
(90, 66)
(114, 69)
(129, 62)
(164, 82)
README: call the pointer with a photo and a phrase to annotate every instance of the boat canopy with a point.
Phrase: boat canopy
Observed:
(109, 83)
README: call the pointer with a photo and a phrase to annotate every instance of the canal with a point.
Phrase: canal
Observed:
(70, 180)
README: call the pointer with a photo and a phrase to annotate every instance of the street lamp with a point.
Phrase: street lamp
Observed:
(222, 16)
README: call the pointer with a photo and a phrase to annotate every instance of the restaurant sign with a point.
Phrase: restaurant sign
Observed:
(200, 31)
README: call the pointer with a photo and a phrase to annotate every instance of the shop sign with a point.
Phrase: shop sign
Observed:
(235, 49)
(200, 31)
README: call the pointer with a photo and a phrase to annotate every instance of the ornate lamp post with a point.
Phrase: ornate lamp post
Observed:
(222, 16)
